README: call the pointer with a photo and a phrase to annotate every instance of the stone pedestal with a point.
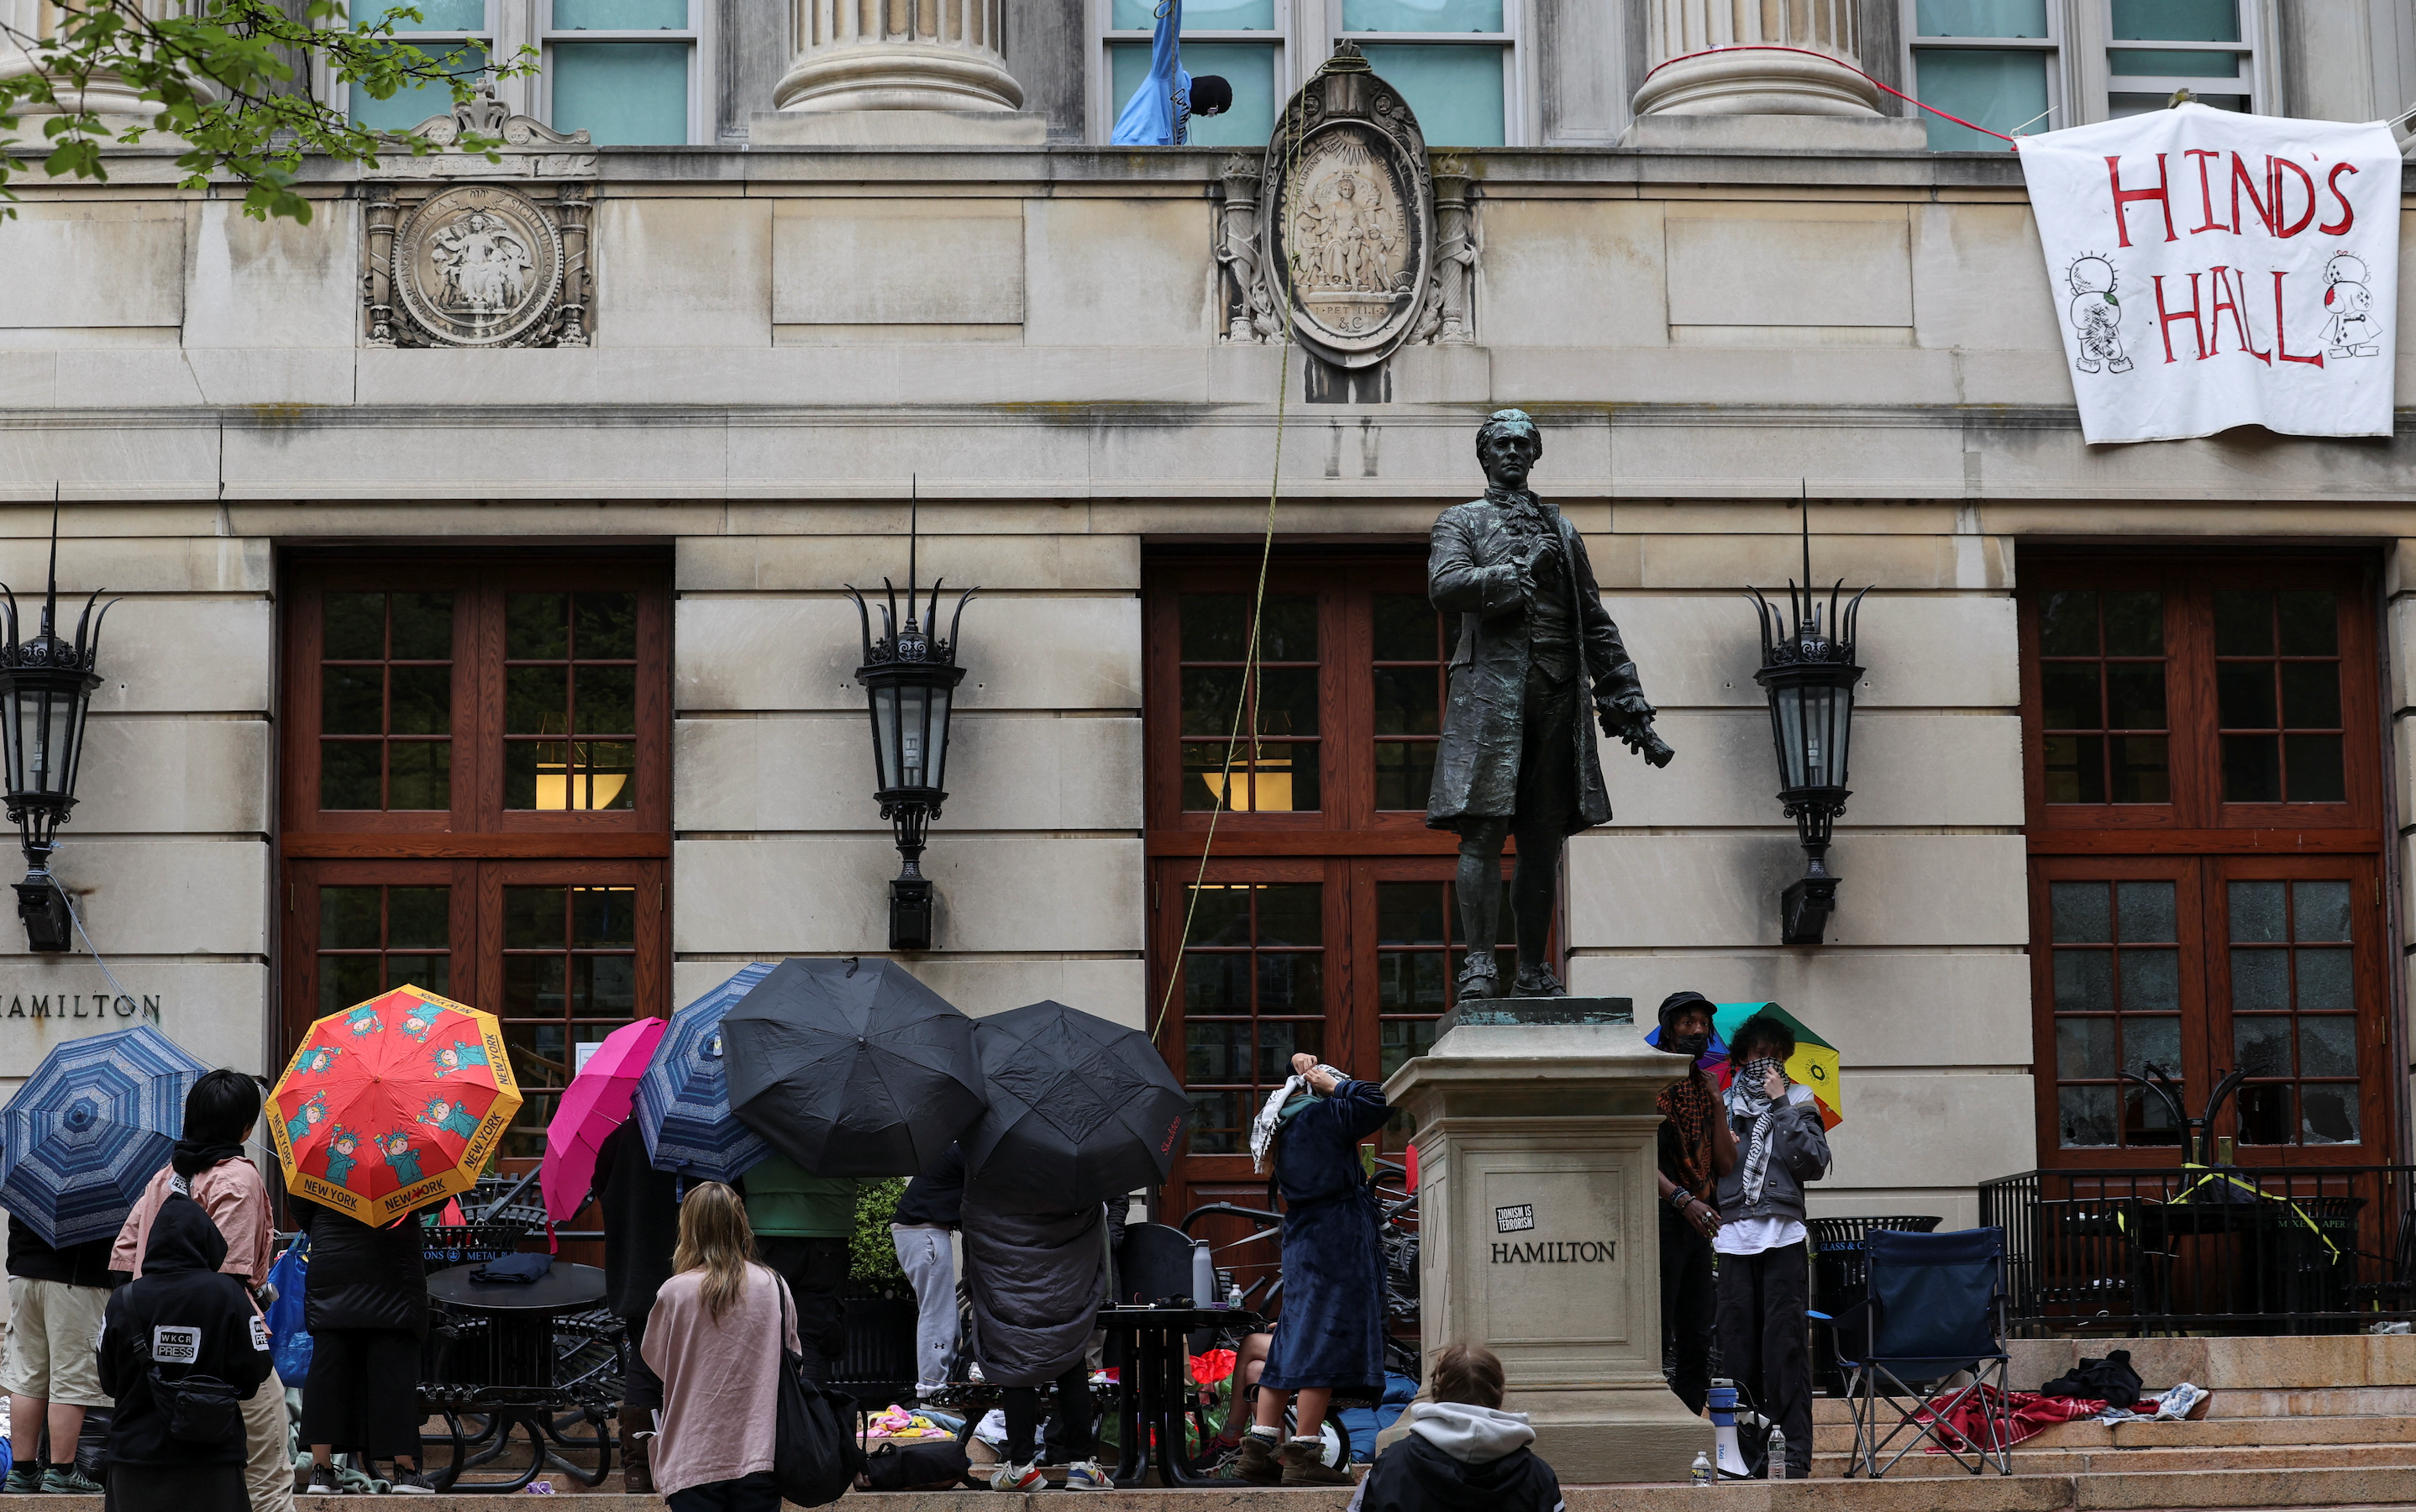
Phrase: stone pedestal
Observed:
(1539, 1226)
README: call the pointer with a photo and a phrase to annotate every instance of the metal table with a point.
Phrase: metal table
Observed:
(502, 1367)
(1153, 1392)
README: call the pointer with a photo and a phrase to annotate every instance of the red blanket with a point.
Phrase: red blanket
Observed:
(1965, 1430)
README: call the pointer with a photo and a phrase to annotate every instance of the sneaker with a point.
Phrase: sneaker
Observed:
(1010, 1476)
(325, 1482)
(415, 1483)
(65, 1480)
(1088, 1476)
(1304, 1464)
(1258, 1464)
(24, 1479)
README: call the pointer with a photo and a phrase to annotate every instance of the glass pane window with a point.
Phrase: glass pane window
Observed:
(2001, 90)
(1198, 16)
(386, 700)
(615, 71)
(2115, 958)
(2294, 1010)
(1248, 66)
(2277, 683)
(1454, 87)
(2201, 49)
(1418, 955)
(1410, 692)
(570, 967)
(374, 938)
(570, 714)
(1253, 988)
(1422, 15)
(2103, 728)
(1980, 17)
(448, 33)
(1273, 764)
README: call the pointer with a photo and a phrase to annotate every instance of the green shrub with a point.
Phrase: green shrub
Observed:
(873, 1259)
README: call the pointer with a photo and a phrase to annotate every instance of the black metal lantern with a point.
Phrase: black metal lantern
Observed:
(909, 677)
(46, 687)
(1809, 671)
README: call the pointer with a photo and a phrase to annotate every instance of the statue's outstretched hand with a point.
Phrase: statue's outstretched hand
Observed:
(1628, 719)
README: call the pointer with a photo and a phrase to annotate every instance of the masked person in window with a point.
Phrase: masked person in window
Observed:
(181, 1350)
(1691, 1130)
(1331, 1333)
(1776, 1145)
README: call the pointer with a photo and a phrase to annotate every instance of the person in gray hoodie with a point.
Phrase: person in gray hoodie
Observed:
(1764, 1292)
(1462, 1452)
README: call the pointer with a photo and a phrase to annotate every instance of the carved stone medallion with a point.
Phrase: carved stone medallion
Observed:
(1349, 212)
(477, 266)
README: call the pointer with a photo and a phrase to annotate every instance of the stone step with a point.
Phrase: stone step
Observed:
(2088, 1433)
(2244, 1403)
(2249, 1364)
(2031, 1460)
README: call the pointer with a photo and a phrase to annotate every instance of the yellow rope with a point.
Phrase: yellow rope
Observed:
(1258, 600)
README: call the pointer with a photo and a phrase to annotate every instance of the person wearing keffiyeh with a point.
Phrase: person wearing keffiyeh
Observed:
(1691, 1131)
(1776, 1144)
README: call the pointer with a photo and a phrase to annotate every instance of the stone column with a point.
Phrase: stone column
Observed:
(905, 59)
(1539, 1227)
(104, 93)
(1695, 74)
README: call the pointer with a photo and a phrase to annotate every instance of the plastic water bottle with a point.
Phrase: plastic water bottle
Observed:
(1775, 1454)
(1204, 1277)
(1701, 1470)
(1726, 1454)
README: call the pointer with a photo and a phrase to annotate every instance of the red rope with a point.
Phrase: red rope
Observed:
(1772, 47)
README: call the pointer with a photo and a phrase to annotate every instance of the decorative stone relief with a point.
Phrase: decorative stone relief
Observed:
(481, 264)
(1367, 246)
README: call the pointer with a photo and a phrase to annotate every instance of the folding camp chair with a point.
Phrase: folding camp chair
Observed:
(1935, 1309)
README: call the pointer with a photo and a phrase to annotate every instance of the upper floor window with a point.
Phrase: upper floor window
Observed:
(625, 71)
(1455, 61)
(2022, 66)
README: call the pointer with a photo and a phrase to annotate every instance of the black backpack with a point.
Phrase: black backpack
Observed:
(814, 1457)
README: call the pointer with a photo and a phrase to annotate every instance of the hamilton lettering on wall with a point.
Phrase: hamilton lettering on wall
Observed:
(1557, 1252)
(104, 1007)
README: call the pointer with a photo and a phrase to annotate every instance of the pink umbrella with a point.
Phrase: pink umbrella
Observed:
(595, 1104)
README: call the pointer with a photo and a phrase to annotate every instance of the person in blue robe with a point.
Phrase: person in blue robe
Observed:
(1331, 1337)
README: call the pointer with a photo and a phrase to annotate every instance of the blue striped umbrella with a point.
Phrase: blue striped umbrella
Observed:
(683, 1097)
(90, 1128)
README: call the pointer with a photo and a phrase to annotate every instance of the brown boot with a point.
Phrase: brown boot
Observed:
(1304, 1464)
(637, 1476)
(1257, 1464)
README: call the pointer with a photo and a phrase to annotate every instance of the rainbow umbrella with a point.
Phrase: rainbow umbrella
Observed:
(392, 1104)
(596, 1103)
(1813, 1062)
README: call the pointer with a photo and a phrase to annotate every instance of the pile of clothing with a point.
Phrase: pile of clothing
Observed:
(2106, 1390)
(897, 1425)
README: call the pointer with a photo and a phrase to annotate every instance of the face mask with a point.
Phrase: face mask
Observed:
(1691, 1046)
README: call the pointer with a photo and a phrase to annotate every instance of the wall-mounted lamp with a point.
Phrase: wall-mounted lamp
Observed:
(1810, 674)
(45, 691)
(909, 677)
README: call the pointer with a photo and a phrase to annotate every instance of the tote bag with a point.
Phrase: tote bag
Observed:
(814, 1457)
(289, 1338)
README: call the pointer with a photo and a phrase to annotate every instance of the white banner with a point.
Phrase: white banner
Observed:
(2216, 269)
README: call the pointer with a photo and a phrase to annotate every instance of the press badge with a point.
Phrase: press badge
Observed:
(174, 1345)
(259, 1333)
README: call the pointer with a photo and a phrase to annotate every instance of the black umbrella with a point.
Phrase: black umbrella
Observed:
(1080, 1110)
(852, 1068)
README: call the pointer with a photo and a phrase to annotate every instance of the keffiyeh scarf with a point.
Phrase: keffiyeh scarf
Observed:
(1281, 1104)
(1746, 1099)
(1687, 1105)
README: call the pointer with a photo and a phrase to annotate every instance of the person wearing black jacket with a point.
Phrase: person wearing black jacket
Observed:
(640, 1230)
(55, 1298)
(367, 1310)
(1462, 1452)
(184, 1322)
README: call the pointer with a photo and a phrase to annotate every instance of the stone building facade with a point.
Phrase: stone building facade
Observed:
(399, 499)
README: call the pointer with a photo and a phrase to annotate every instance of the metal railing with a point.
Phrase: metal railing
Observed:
(2195, 1249)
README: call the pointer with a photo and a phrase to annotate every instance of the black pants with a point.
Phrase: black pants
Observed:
(363, 1392)
(748, 1493)
(816, 1271)
(1073, 1436)
(175, 1488)
(1763, 1299)
(641, 1389)
(1688, 1308)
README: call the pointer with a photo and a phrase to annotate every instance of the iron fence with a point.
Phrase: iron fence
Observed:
(2237, 1250)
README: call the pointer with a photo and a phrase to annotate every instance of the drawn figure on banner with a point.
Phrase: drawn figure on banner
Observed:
(2352, 331)
(344, 1146)
(2097, 316)
(400, 1157)
(450, 1116)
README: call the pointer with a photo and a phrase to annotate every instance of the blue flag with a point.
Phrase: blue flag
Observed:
(1160, 108)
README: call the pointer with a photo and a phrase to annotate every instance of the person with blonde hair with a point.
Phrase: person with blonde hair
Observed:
(715, 1338)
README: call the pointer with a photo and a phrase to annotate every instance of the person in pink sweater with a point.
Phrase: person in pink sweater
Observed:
(715, 1336)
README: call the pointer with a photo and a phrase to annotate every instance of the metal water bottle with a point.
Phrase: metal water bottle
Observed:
(1775, 1453)
(1726, 1455)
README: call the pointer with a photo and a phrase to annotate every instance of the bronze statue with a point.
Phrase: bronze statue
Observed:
(1517, 756)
